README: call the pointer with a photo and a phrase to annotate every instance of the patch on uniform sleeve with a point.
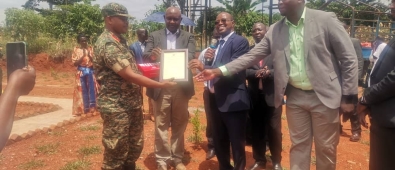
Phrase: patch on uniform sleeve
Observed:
(120, 64)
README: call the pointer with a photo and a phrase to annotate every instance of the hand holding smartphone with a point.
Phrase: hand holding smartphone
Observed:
(16, 56)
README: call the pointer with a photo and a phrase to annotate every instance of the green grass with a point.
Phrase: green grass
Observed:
(76, 165)
(48, 149)
(365, 142)
(268, 157)
(33, 164)
(100, 121)
(91, 137)
(203, 128)
(283, 117)
(90, 128)
(56, 133)
(313, 160)
(89, 150)
(65, 75)
(196, 136)
(139, 167)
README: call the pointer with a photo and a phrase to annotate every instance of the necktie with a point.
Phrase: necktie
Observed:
(211, 82)
(260, 79)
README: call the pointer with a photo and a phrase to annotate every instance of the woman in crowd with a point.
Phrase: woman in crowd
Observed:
(86, 87)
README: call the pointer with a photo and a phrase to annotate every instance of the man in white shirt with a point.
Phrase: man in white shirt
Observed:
(209, 128)
(171, 104)
(378, 46)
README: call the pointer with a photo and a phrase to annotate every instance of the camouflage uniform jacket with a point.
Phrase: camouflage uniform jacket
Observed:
(111, 54)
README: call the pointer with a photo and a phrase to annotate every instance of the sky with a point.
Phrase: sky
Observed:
(137, 8)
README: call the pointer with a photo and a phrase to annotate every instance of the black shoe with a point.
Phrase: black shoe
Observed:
(210, 154)
(355, 137)
(277, 166)
(258, 166)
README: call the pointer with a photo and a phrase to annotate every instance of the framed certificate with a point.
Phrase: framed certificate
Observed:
(174, 64)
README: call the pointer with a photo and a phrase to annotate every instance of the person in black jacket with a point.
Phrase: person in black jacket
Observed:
(265, 119)
(378, 100)
(355, 125)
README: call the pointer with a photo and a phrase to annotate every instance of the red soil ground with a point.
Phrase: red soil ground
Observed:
(79, 144)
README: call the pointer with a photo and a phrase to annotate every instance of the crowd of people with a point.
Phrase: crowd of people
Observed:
(306, 56)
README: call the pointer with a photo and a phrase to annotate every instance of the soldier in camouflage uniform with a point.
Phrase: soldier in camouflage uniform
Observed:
(120, 99)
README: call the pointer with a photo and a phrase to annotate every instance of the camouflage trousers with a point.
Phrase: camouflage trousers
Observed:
(122, 138)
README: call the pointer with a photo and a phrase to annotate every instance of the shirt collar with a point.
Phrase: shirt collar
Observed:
(301, 20)
(227, 37)
(169, 33)
(119, 39)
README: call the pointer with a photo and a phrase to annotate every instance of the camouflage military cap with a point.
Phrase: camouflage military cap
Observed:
(114, 9)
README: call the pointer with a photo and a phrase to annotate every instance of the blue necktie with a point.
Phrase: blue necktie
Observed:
(221, 43)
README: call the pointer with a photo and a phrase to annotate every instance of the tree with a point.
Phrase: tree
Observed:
(366, 22)
(244, 24)
(23, 25)
(211, 16)
(32, 4)
(239, 8)
(70, 20)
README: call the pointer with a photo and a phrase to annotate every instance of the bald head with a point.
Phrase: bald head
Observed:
(173, 19)
(227, 14)
(259, 24)
(142, 35)
(173, 10)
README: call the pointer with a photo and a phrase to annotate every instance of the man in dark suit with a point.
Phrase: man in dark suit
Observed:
(229, 100)
(316, 67)
(264, 117)
(138, 47)
(355, 125)
(379, 101)
(171, 104)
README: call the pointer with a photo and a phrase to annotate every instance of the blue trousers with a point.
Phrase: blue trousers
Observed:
(88, 88)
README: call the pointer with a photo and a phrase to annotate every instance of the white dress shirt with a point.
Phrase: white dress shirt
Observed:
(171, 39)
(142, 46)
(376, 54)
(202, 59)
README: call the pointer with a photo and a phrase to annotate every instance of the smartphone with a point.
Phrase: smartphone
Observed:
(16, 53)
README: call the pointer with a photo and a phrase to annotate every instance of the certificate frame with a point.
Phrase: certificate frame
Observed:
(174, 62)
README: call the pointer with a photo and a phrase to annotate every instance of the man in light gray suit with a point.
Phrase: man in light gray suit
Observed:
(315, 66)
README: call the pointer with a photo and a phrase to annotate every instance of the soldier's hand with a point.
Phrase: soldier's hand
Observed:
(155, 54)
(168, 83)
(22, 80)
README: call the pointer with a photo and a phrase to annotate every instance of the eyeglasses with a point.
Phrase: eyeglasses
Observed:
(222, 21)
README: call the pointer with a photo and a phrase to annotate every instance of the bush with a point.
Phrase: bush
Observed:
(23, 25)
